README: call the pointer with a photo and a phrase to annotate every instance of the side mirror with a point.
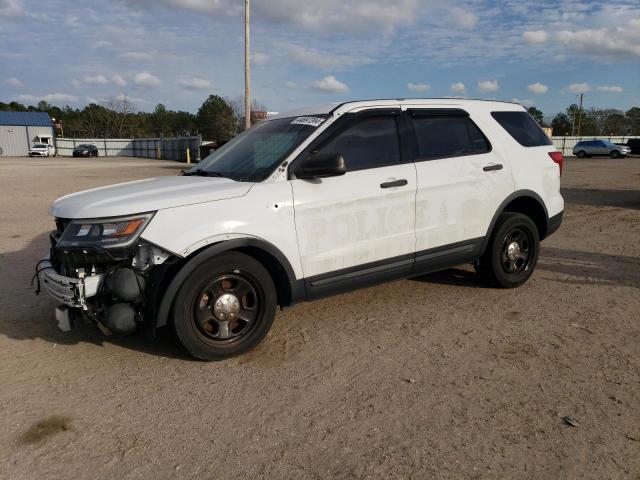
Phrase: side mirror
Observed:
(321, 166)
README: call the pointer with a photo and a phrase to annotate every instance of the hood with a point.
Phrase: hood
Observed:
(146, 196)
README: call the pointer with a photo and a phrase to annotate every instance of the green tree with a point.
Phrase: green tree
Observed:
(561, 125)
(215, 119)
(537, 115)
(160, 121)
(616, 124)
(633, 118)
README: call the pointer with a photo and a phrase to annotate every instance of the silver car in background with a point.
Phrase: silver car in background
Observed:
(590, 148)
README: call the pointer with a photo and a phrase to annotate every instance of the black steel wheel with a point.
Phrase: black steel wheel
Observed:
(581, 154)
(512, 252)
(225, 307)
(515, 253)
(614, 154)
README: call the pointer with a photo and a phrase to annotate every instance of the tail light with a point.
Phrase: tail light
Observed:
(558, 158)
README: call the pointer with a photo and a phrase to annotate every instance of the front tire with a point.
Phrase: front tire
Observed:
(225, 307)
(614, 154)
(512, 253)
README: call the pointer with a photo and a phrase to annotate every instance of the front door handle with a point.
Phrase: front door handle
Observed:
(394, 183)
(489, 168)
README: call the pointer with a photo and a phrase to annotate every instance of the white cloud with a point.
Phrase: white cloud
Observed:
(538, 88)
(330, 84)
(486, 86)
(195, 83)
(98, 79)
(291, 85)
(324, 60)
(457, 87)
(71, 20)
(610, 89)
(118, 80)
(95, 79)
(136, 56)
(259, 58)
(322, 16)
(124, 97)
(526, 103)
(604, 43)
(52, 98)
(535, 36)
(14, 82)
(579, 87)
(463, 18)
(146, 79)
(418, 87)
(11, 9)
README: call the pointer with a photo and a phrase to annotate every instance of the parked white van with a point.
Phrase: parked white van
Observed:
(303, 205)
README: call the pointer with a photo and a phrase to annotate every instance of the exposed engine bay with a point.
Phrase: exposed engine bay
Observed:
(105, 284)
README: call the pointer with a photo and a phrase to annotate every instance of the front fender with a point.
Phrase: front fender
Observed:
(208, 253)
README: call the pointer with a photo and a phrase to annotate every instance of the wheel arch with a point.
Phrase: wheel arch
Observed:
(528, 203)
(275, 262)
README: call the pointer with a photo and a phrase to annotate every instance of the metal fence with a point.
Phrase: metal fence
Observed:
(566, 144)
(165, 148)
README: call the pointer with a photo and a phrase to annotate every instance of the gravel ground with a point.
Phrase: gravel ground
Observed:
(448, 380)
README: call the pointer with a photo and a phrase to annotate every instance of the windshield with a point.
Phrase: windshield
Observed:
(39, 145)
(254, 154)
(83, 146)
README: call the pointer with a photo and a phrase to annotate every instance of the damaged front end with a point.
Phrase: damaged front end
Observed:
(99, 269)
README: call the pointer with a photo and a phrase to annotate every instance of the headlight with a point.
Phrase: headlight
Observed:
(106, 232)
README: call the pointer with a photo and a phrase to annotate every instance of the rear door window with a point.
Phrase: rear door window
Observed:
(523, 128)
(447, 136)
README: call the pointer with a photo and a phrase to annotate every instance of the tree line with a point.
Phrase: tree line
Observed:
(218, 119)
(592, 121)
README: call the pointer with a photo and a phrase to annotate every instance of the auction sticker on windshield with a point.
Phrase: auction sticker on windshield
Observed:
(311, 121)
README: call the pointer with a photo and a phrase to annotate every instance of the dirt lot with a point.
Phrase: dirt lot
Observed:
(448, 380)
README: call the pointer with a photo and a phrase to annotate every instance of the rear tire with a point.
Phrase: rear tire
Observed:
(512, 253)
(225, 307)
(581, 154)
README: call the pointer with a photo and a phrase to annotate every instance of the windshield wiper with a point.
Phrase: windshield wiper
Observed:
(202, 173)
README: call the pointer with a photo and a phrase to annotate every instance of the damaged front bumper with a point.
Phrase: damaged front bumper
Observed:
(72, 292)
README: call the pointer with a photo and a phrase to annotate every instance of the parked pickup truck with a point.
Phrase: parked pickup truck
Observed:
(307, 204)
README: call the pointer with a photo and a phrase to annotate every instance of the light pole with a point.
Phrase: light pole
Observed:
(580, 113)
(247, 67)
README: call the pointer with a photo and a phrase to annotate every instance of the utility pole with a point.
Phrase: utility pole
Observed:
(580, 113)
(247, 67)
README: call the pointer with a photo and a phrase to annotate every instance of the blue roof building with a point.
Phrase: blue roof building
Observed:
(20, 130)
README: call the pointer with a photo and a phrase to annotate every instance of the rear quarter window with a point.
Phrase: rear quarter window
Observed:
(522, 127)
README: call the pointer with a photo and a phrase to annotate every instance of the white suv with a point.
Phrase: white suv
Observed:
(307, 204)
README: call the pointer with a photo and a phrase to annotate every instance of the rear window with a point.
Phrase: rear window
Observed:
(448, 136)
(523, 128)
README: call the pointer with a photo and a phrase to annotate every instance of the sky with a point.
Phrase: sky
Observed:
(177, 52)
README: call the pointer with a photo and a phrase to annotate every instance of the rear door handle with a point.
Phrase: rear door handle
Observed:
(490, 168)
(395, 183)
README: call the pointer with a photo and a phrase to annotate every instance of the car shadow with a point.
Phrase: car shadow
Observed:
(575, 267)
(453, 276)
(602, 198)
(588, 268)
(28, 317)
